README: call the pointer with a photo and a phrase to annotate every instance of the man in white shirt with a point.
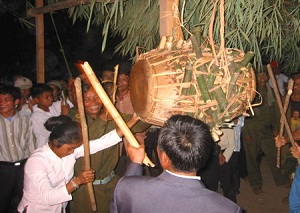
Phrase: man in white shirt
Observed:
(280, 78)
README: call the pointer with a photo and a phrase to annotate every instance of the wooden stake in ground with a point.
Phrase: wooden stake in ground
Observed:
(86, 145)
(111, 108)
(283, 116)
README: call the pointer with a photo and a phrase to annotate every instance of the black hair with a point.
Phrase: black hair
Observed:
(63, 130)
(187, 142)
(38, 89)
(108, 67)
(52, 122)
(85, 87)
(11, 90)
(124, 68)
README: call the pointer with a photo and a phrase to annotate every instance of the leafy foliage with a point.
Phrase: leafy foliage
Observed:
(270, 28)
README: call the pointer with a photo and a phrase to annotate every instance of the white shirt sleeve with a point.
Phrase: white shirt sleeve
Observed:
(99, 144)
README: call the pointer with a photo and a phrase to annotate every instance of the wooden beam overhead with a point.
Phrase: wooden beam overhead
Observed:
(60, 6)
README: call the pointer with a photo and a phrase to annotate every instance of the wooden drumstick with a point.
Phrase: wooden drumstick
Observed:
(283, 116)
(285, 107)
(111, 108)
(86, 145)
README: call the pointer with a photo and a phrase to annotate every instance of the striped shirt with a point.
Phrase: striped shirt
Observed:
(17, 141)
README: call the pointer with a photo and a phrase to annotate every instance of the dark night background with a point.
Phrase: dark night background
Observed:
(17, 43)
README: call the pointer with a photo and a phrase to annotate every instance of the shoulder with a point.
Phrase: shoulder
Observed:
(22, 116)
(38, 159)
(136, 184)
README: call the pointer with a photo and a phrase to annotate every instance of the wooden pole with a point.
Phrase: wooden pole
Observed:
(283, 116)
(86, 144)
(169, 21)
(285, 107)
(40, 46)
(111, 108)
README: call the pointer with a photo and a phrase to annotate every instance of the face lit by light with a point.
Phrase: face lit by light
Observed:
(262, 79)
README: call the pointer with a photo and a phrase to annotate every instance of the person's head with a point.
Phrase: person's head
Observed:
(296, 87)
(64, 85)
(65, 135)
(262, 78)
(56, 89)
(24, 84)
(107, 74)
(107, 80)
(42, 95)
(91, 101)
(296, 114)
(9, 99)
(275, 67)
(123, 76)
(184, 144)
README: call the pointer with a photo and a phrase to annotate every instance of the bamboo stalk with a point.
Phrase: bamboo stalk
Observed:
(111, 108)
(86, 145)
(187, 78)
(285, 107)
(283, 116)
(196, 47)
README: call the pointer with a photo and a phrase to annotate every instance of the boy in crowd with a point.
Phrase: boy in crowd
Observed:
(25, 104)
(295, 120)
(17, 142)
(42, 95)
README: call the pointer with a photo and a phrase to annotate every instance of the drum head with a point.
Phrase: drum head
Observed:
(140, 82)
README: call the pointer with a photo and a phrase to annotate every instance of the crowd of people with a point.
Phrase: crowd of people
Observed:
(42, 164)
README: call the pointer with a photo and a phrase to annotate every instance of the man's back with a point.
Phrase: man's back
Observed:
(167, 193)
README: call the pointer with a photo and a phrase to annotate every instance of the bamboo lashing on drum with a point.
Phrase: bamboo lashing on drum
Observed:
(86, 145)
(283, 116)
(111, 108)
(285, 107)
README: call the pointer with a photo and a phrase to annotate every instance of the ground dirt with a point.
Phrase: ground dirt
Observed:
(270, 201)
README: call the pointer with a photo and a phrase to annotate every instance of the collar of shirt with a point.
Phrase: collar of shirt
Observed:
(184, 176)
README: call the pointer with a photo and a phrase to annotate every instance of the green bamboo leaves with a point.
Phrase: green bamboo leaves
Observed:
(270, 28)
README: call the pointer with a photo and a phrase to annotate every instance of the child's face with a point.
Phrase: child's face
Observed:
(123, 82)
(55, 92)
(107, 75)
(7, 105)
(296, 115)
(25, 93)
(45, 100)
(262, 79)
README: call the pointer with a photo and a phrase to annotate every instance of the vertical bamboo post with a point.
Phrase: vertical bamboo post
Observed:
(86, 145)
(111, 108)
(40, 51)
(169, 21)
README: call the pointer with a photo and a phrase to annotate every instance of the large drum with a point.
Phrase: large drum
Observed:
(168, 82)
